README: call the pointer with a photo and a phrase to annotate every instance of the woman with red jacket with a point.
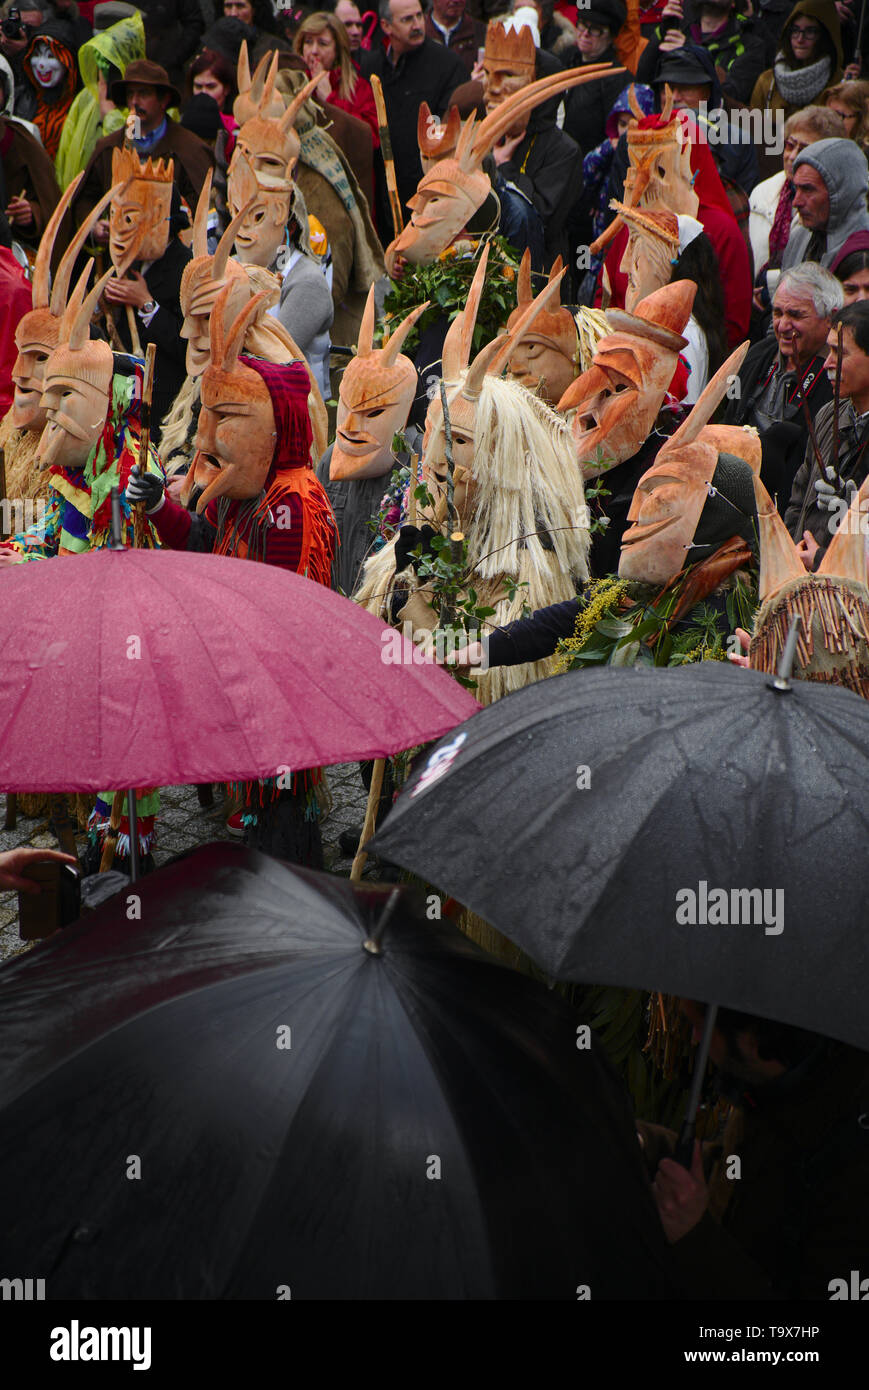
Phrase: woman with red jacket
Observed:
(323, 45)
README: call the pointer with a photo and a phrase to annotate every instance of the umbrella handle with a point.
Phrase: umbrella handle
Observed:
(684, 1152)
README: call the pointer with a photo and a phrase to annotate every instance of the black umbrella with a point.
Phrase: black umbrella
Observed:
(235, 1096)
(694, 831)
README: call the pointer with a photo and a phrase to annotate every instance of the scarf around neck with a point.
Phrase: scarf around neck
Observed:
(800, 86)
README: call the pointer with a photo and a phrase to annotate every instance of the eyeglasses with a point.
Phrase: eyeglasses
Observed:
(806, 31)
(593, 30)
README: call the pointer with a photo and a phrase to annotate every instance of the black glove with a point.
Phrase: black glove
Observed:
(145, 487)
(412, 538)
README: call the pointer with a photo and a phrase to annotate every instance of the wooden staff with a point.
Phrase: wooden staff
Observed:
(139, 532)
(414, 484)
(386, 151)
(132, 132)
(370, 817)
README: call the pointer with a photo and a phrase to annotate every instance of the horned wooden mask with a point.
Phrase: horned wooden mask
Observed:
(509, 63)
(454, 185)
(616, 402)
(78, 384)
(374, 400)
(464, 384)
(203, 279)
(260, 209)
(235, 441)
(669, 498)
(38, 332)
(545, 357)
(266, 135)
(833, 603)
(139, 216)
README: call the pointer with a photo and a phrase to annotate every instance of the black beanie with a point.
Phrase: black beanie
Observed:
(729, 510)
(202, 116)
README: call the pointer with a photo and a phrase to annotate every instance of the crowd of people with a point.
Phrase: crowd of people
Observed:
(582, 291)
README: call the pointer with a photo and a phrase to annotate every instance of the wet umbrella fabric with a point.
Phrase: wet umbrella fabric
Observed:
(309, 1116)
(591, 818)
(153, 668)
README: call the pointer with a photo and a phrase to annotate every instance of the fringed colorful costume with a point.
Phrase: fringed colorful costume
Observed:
(259, 500)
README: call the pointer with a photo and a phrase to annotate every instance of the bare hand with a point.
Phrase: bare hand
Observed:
(471, 655)
(131, 290)
(9, 555)
(852, 71)
(19, 212)
(175, 486)
(672, 10)
(674, 38)
(843, 9)
(807, 550)
(506, 148)
(681, 1197)
(15, 861)
(477, 71)
(744, 642)
(399, 265)
(100, 231)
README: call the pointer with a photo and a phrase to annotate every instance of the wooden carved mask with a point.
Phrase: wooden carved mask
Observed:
(669, 499)
(260, 210)
(545, 358)
(616, 402)
(202, 281)
(139, 216)
(454, 184)
(235, 441)
(77, 385)
(38, 332)
(374, 400)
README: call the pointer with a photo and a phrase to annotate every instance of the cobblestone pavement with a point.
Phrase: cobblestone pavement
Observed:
(181, 826)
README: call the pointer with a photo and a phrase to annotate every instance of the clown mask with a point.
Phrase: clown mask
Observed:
(47, 69)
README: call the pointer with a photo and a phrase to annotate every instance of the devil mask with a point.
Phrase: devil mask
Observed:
(38, 332)
(545, 358)
(77, 384)
(616, 402)
(374, 400)
(139, 217)
(235, 441)
(454, 185)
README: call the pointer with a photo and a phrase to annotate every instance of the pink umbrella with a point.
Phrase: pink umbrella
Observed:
(143, 668)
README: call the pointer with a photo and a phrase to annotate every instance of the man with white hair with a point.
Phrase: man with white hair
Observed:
(784, 369)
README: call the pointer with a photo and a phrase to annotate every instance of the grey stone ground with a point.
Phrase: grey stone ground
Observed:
(182, 825)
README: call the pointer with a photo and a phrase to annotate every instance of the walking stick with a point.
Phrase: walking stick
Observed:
(370, 817)
(11, 797)
(858, 56)
(386, 151)
(132, 132)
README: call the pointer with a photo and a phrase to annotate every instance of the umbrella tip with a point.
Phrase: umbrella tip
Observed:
(372, 944)
(782, 678)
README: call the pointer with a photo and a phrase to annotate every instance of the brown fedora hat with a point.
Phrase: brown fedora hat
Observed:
(149, 75)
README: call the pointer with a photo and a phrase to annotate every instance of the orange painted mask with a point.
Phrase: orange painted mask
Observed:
(77, 384)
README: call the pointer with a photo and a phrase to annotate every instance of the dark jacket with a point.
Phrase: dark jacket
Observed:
(163, 279)
(740, 51)
(192, 157)
(798, 1216)
(429, 73)
(465, 41)
(586, 108)
(172, 30)
(354, 502)
(803, 513)
(785, 452)
(28, 169)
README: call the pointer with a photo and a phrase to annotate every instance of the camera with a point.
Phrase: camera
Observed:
(12, 26)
